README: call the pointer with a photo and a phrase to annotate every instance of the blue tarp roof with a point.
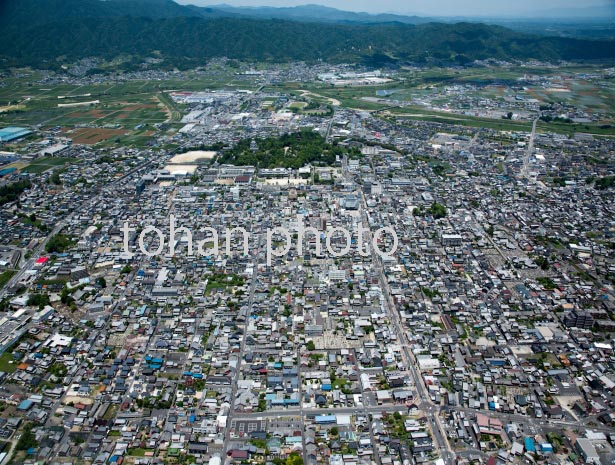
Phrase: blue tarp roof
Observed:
(25, 404)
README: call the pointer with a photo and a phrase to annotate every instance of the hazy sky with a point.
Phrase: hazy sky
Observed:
(433, 7)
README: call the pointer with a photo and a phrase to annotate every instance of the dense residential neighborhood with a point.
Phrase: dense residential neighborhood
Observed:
(477, 328)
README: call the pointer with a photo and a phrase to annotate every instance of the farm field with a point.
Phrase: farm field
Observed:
(419, 94)
(43, 164)
(129, 113)
(128, 110)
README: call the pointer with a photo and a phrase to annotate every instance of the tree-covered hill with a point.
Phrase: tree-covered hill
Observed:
(319, 13)
(37, 32)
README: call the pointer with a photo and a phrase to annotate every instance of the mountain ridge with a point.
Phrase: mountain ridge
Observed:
(315, 12)
(38, 32)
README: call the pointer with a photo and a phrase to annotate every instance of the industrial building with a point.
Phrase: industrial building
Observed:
(11, 133)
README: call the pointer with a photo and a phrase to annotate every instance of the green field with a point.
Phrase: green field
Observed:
(171, 106)
(498, 124)
(569, 129)
(447, 118)
(136, 452)
(41, 165)
(298, 105)
(5, 366)
(5, 276)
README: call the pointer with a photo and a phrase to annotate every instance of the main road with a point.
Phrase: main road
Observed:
(409, 360)
(235, 384)
(529, 151)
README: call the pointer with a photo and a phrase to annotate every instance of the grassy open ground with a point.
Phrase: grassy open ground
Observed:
(7, 363)
(43, 164)
(6, 276)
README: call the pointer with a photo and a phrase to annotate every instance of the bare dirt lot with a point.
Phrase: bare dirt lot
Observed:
(193, 156)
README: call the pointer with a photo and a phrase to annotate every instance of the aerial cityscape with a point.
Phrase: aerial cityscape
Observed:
(307, 237)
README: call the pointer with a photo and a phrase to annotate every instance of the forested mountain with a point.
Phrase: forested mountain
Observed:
(319, 13)
(31, 13)
(37, 32)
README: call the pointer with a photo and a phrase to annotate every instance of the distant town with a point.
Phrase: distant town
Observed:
(486, 337)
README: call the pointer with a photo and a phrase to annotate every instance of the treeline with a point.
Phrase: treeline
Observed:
(59, 244)
(11, 192)
(436, 210)
(287, 151)
(605, 182)
(37, 32)
(556, 119)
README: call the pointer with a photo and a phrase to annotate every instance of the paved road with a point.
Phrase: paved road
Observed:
(234, 387)
(409, 360)
(306, 412)
(529, 151)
